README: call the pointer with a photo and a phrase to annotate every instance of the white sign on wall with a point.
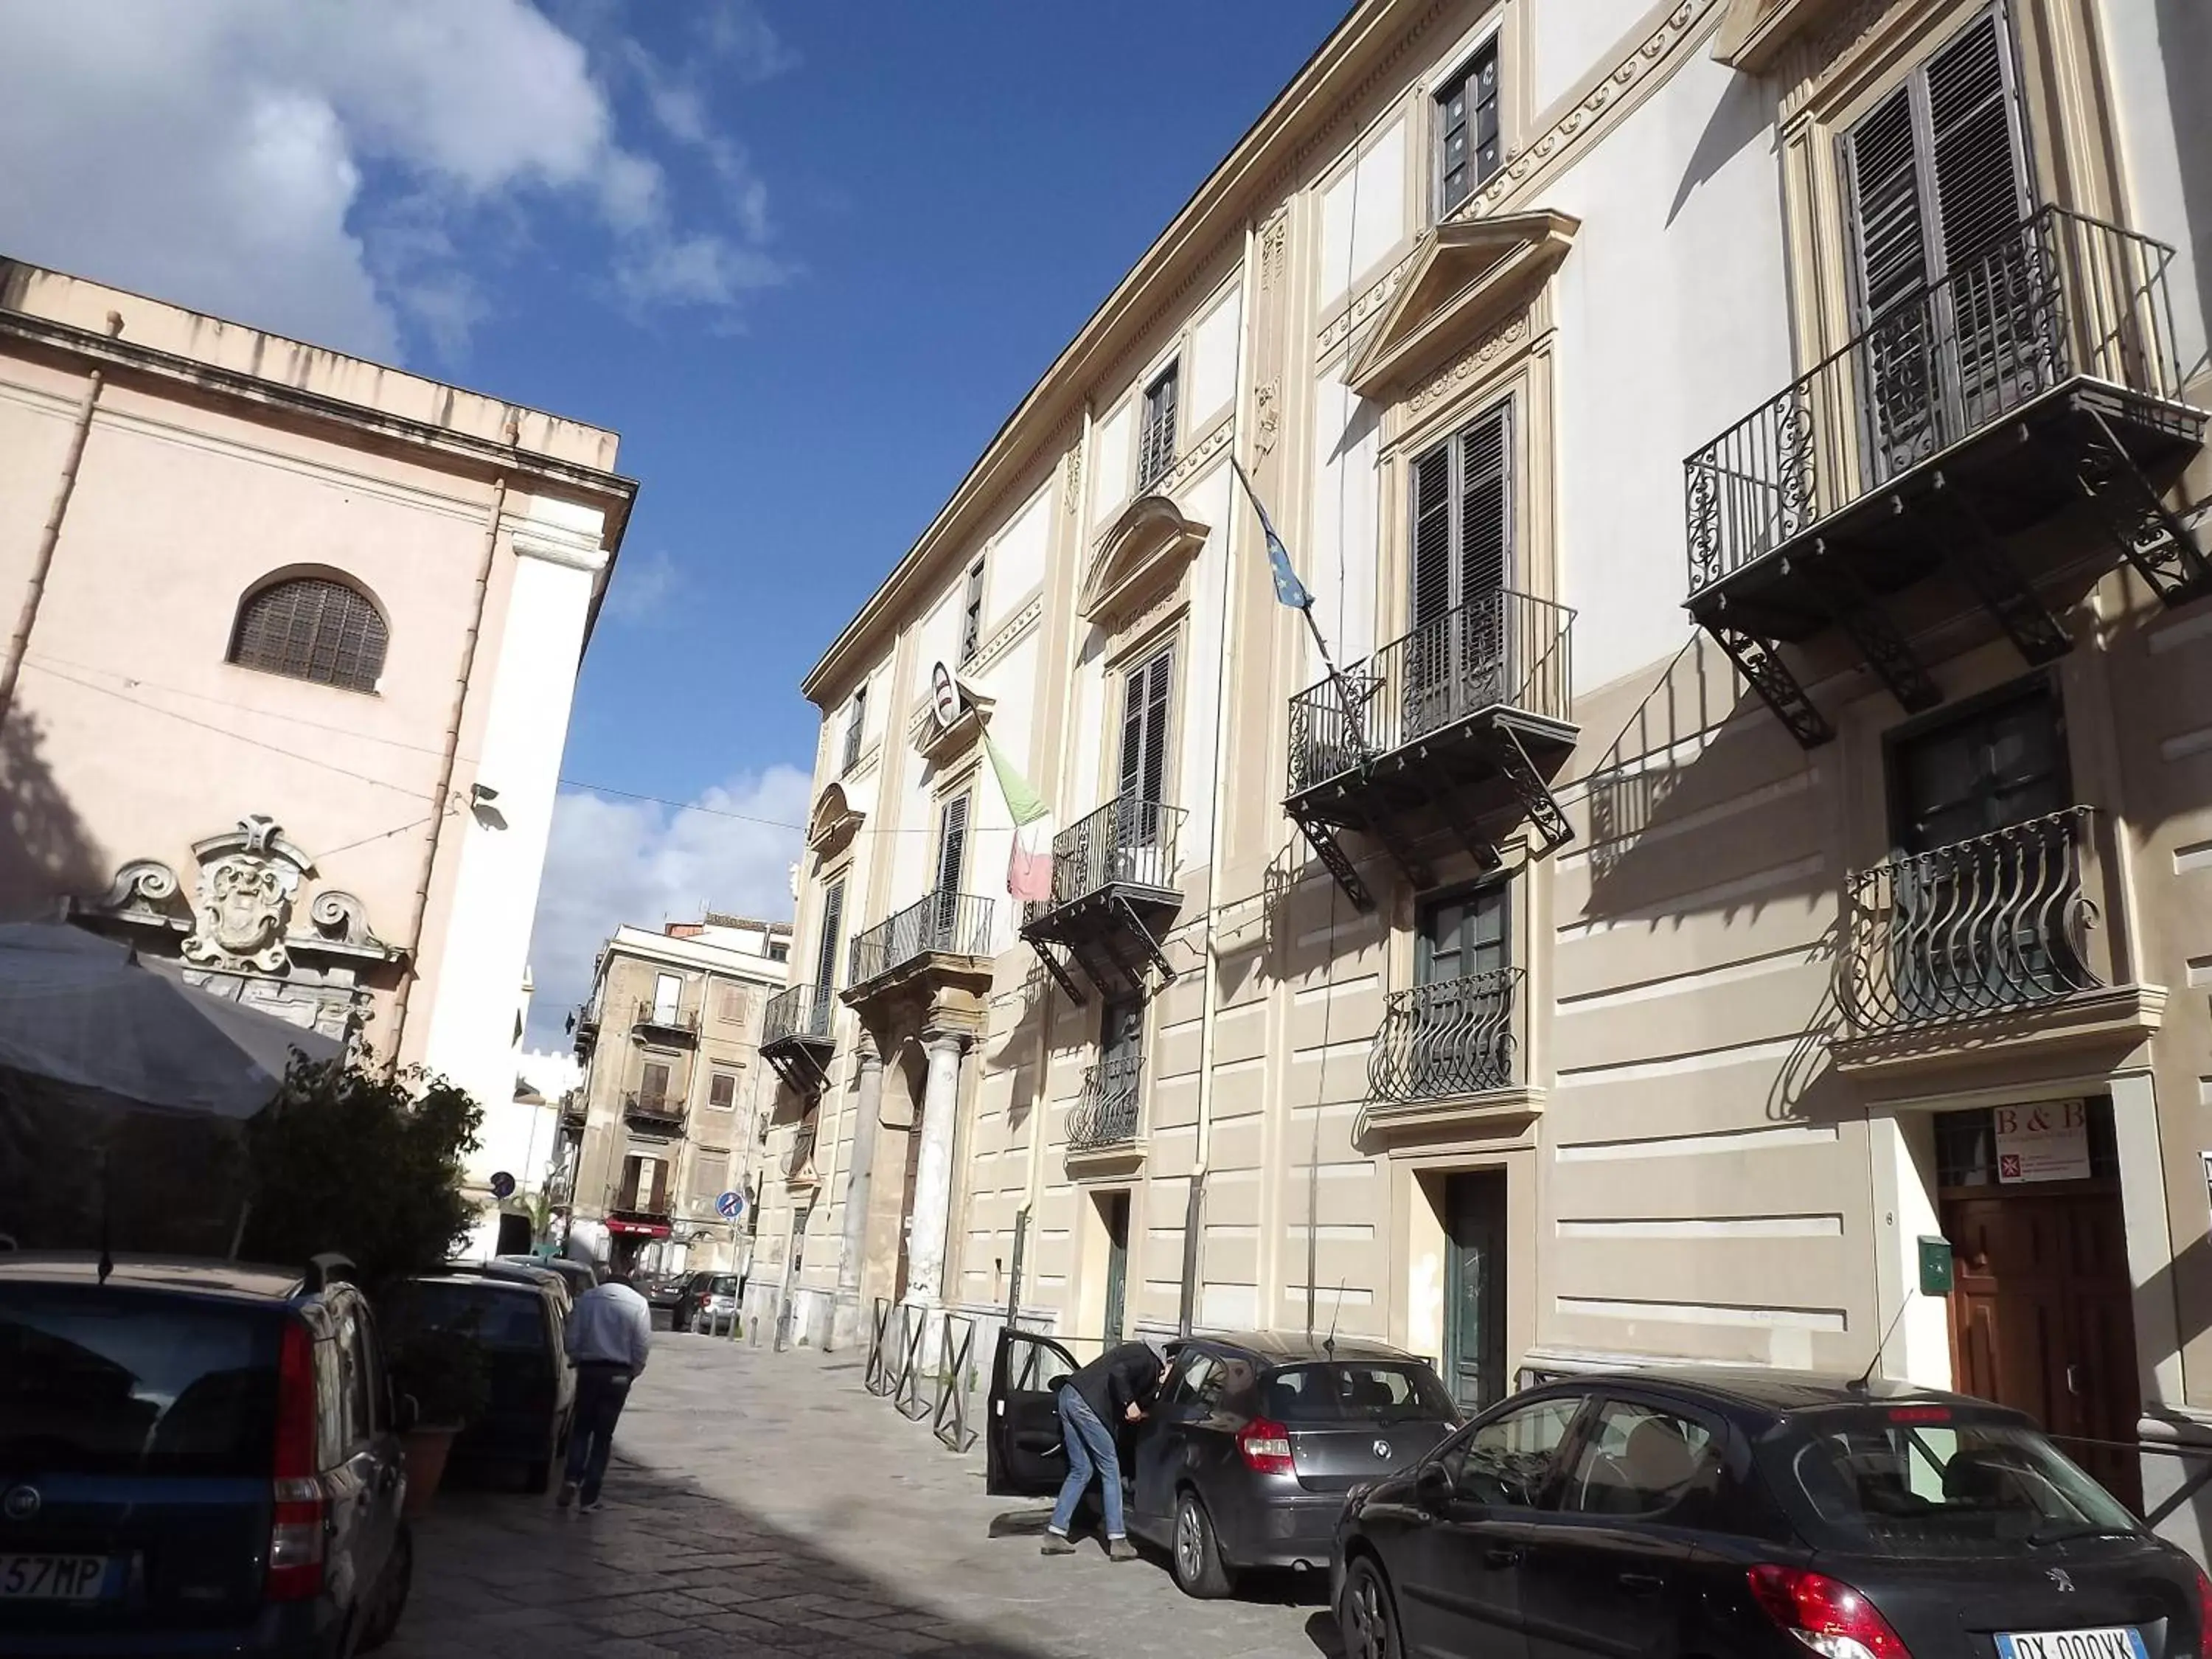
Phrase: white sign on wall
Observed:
(2047, 1141)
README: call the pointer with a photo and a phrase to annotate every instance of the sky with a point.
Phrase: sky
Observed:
(804, 255)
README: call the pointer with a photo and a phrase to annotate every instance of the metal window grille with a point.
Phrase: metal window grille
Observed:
(311, 628)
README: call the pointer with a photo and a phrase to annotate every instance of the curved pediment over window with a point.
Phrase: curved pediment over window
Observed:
(839, 811)
(947, 726)
(1141, 555)
(1465, 276)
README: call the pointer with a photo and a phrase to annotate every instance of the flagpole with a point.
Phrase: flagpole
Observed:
(1305, 609)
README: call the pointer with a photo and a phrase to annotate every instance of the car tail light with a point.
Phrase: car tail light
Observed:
(295, 1529)
(1826, 1614)
(2203, 1615)
(1265, 1446)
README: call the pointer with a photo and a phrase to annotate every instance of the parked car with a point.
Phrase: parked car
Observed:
(1756, 1514)
(576, 1275)
(196, 1456)
(1246, 1460)
(709, 1303)
(520, 1318)
(665, 1292)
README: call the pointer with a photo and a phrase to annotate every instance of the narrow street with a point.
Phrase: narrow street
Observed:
(763, 1501)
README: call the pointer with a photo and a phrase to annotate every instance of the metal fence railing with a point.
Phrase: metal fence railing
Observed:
(1451, 1036)
(1501, 650)
(660, 1019)
(2061, 296)
(1105, 1113)
(801, 1013)
(1129, 841)
(656, 1114)
(943, 922)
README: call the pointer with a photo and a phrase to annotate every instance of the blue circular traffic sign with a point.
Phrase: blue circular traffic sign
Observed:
(502, 1184)
(730, 1206)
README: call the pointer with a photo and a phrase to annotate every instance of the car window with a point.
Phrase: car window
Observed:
(1198, 1379)
(1034, 1365)
(505, 1319)
(1639, 1460)
(1506, 1461)
(723, 1284)
(1360, 1392)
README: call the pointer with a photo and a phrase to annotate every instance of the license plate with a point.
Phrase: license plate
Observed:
(2114, 1641)
(53, 1577)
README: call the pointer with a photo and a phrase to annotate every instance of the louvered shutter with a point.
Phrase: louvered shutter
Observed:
(1485, 525)
(952, 844)
(1154, 782)
(833, 919)
(1890, 235)
(1979, 187)
(1432, 559)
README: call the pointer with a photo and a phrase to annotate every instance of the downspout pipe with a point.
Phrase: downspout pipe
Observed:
(445, 761)
(49, 535)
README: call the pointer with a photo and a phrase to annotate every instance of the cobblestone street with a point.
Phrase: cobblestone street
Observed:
(766, 1501)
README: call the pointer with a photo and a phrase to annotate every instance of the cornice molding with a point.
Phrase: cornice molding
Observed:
(1194, 459)
(1016, 628)
(1464, 276)
(1378, 295)
(1471, 362)
(1142, 553)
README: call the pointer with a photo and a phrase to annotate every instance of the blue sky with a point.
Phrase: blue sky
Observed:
(804, 257)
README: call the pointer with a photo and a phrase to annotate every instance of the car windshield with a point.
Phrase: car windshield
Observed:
(1355, 1391)
(506, 1317)
(106, 1380)
(1913, 1480)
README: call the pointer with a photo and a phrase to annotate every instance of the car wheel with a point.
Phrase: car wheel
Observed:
(1367, 1616)
(1198, 1567)
(390, 1597)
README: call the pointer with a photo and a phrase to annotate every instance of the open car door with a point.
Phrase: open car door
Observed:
(1022, 1449)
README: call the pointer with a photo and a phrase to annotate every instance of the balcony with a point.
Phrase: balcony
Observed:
(935, 954)
(653, 1115)
(1112, 886)
(584, 1028)
(660, 1020)
(1467, 715)
(1102, 1124)
(574, 1111)
(1449, 1056)
(1988, 948)
(796, 1037)
(2043, 376)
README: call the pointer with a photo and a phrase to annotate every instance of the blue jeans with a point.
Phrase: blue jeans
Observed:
(1089, 1447)
(601, 1392)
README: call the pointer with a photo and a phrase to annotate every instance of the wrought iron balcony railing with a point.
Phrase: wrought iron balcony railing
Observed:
(651, 1015)
(1453, 1037)
(1993, 924)
(1504, 650)
(1105, 1113)
(2061, 297)
(1129, 841)
(654, 1113)
(943, 923)
(800, 1014)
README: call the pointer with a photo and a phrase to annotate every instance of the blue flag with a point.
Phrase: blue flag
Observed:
(1288, 588)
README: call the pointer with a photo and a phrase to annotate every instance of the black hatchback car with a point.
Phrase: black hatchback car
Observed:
(520, 1316)
(1725, 1513)
(194, 1457)
(1246, 1460)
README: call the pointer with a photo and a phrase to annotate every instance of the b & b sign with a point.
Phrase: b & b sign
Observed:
(2047, 1141)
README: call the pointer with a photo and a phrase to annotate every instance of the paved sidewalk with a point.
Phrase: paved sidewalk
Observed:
(764, 1502)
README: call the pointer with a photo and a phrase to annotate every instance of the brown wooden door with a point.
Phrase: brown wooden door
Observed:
(2041, 1320)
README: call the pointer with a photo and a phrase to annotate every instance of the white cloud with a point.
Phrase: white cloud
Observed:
(301, 166)
(612, 860)
(643, 586)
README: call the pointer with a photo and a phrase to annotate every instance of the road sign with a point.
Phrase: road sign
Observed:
(502, 1184)
(730, 1206)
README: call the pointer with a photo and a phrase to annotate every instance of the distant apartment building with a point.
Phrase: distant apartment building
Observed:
(1753, 816)
(293, 640)
(662, 1126)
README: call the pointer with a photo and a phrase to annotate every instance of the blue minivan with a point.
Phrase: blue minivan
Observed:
(195, 1457)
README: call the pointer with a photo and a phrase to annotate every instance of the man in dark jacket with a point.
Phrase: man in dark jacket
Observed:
(1116, 1388)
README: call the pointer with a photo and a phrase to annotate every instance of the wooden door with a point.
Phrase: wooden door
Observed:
(1474, 1288)
(2041, 1320)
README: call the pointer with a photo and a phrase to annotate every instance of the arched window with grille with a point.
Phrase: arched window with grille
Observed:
(311, 628)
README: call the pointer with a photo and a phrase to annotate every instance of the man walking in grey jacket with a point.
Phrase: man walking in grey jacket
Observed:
(609, 1338)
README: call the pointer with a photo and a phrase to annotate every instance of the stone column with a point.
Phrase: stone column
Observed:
(933, 1180)
(849, 1320)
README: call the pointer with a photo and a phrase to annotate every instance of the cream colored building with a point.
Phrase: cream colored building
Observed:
(1723, 862)
(292, 640)
(663, 1124)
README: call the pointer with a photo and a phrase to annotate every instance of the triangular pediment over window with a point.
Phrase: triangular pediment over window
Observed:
(1466, 276)
(942, 734)
(839, 810)
(1141, 555)
(1752, 32)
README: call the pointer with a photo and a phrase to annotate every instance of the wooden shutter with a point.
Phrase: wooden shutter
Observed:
(1463, 938)
(1484, 524)
(1144, 730)
(1980, 187)
(1431, 560)
(654, 1088)
(659, 1202)
(833, 919)
(626, 1198)
(952, 845)
(1890, 235)
(722, 1090)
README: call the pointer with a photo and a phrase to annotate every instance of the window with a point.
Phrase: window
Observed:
(856, 726)
(1145, 693)
(825, 956)
(1364, 1392)
(1509, 1459)
(1638, 1460)
(667, 997)
(1463, 519)
(1993, 765)
(653, 1091)
(722, 1090)
(311, 628)
(951, 862)
(1197, 1379)
(1155, 449)
(729, 1004)
(779, 951)
(708, 1171)
(1466, 130)
(1463, 937)
(971, 614)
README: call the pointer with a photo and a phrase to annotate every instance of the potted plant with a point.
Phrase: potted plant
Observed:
(442, 1383)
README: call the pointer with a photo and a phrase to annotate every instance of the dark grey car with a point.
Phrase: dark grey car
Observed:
(1246, 1460)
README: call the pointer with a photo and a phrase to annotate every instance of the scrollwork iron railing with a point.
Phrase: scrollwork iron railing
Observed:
(666, 1019)
(1453, 1037)
(799, 1014)
(2061, 296)
(1504, 649)
(944, 922)
(1105, 1112)
(1981, 926)
(1129, 841)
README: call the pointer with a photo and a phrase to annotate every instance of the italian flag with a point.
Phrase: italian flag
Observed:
(1028, 870)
